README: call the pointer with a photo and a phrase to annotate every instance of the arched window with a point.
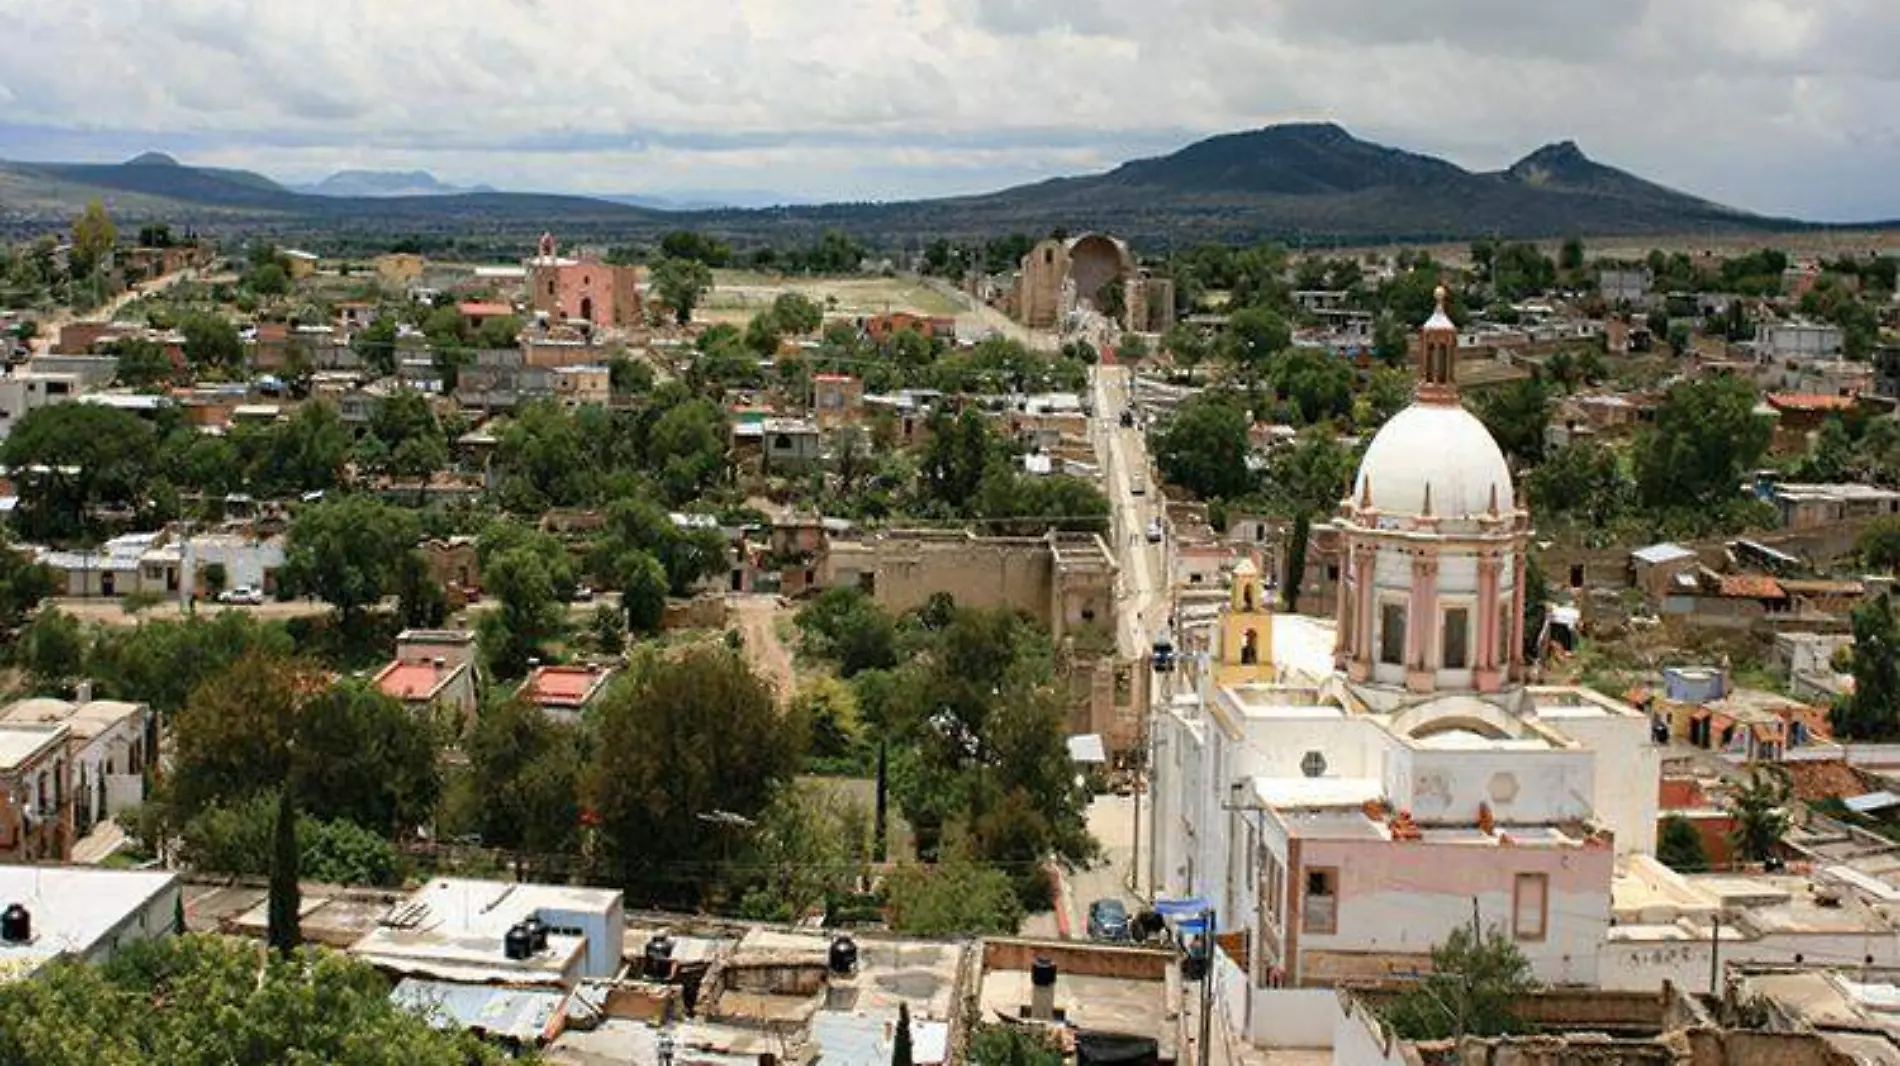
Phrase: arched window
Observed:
(1392, 634)
(1250, 648)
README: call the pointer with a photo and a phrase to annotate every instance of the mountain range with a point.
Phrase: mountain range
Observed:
(1312, 180)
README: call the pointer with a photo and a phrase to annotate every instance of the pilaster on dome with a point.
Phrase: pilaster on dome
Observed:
(1438, 354)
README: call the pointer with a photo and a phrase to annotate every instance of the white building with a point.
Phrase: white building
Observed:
(83, 913)
(21, 394)
(1349, 795)
(1798, 340)
(110, 743)
(456, 930)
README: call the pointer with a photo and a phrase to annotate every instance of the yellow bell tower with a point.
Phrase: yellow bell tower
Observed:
(1246, 629)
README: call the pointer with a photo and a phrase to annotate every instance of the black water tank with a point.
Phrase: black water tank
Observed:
(16, 925)
(844, 955)
(1042, 972)
(519, 942)
(659, 957)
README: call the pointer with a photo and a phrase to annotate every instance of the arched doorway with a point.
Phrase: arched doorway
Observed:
(587, 308)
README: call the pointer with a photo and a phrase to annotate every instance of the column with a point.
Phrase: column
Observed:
(1365, 565)
(1517, 615)
(1488, 676)
(1421, 673)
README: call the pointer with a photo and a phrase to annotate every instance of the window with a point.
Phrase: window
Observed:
(1392, 634)
(1504, 633)
(1457, 636)
(1530, 911)
(1048, 255)
(1320, 914)
(550, 288)
(1332, 571)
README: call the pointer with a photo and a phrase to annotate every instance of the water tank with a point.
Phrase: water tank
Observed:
(844, 955)
(16, 925)
(659, 957)
(1042, 972)
(537, 933)
(519, 942)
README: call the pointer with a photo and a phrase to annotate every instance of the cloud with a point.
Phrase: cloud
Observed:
(1777, 105)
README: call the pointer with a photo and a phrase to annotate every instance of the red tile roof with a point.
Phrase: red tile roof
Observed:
(484, 310)
(1752, 587)
(563, 686)
(1811, 401)
(412, 681)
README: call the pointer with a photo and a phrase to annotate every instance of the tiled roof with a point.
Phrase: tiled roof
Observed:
(1811, 401)
(1752, 587)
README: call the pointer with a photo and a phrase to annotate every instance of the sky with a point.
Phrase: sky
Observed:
(1786, 107)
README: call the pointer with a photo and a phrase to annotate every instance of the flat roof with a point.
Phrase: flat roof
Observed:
(414, 680)
(19, 742)
(452, 929)
(73, 908)
(1294, 792)
(566, 686)
(86, 720)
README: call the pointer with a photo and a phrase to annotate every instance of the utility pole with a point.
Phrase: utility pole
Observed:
(1207, 989)
(1715, 955)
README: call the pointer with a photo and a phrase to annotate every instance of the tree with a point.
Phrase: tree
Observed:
(1306, 480)
(78, 457)
(1879, 544)
(211, 342)
(1472, 990)
(285, 902)
(268, 280)
(1706, 436)
(806, 852)
(215, 578)
(1759, 808)
(1583, 480)
(1388, 391)
(530, 574)
(1517, 414)
(956, 456)
(52, 650)
(1571, 257)
(307, 453)
(713, 741)
(207, 998)
(93, 238)
(1205, 448)
(348, 551)
(848, 627)
(23, 584)
(1254, 336)
(1679, 846)
(681, 283)
(527, 770)
(1316, 382)
(375, 345)
(796, 314)
(421, 602)
(1872, 710)
(142, 364)
(901, 1054)
(643, 590)
(955, 898)
(163, 662)
(1007, 1044)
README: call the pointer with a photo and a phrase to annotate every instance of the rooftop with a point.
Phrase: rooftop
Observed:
(73, 909)
(86, 720)
(565, 686)
(415, 680)
(21, 744)
(452, 929)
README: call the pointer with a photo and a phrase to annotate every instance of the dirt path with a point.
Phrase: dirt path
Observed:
(757, 619)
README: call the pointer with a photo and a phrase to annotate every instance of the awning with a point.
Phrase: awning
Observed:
(1180, 908)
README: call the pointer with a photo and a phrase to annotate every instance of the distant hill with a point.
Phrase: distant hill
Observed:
(382, 183)
(1309, 180)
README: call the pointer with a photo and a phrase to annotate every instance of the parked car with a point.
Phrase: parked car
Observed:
(1108, 920)
(1138, 487)
(245, 595)
(1154, 531)
(583, 594)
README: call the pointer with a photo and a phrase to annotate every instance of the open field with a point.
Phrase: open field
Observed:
(737, 295)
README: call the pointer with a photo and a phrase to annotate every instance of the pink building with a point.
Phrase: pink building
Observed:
(583, 289)
(565, 691)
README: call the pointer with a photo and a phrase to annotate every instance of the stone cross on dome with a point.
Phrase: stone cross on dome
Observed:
(1438, 355)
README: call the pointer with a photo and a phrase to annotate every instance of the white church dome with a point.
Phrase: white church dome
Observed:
(1442, 446)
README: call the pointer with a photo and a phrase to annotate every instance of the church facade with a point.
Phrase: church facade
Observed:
(1346, 793)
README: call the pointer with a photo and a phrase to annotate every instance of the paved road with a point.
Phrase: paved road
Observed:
(1123, 455)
